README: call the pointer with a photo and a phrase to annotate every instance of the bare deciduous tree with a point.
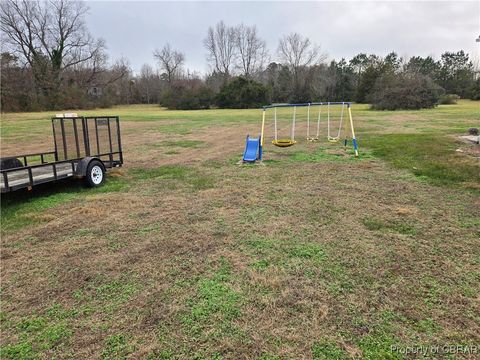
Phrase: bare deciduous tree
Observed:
(298, 52)
(221, 46)
(252, 51)
(124, 83)
(50, 37)
(146, 81)
(170, 61)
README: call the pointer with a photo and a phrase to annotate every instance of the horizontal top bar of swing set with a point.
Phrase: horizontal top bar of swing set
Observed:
(306, 104)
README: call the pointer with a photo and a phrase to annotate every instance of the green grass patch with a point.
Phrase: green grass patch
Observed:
(428, 156)
(260, 264)
(327, 350)
(116, 242)
(378, 345)
(176, 172)
(202, 182)
(373, 224)
(183, 143)
(107, 295)
(176, 129)
(304, 250)
(172, 152)
(214, 306)
(22, 351)
(37, 334)
(116, 347)
(338, 279)
(467, 222)
(174, 175)
(399, 226)
(328, 154)
(428, 326)
(378, 338)
(269, 357)
(308, 251)
(116, 291)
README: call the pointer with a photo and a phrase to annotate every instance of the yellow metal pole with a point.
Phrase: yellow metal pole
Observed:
(354, 140)
(263, 127)
(346, 130)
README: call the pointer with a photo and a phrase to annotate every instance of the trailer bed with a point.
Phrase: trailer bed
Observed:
(21, 178)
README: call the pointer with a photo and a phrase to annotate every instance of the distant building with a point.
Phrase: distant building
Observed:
(95, 91)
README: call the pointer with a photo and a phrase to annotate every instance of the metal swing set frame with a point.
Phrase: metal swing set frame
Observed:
(348, 125)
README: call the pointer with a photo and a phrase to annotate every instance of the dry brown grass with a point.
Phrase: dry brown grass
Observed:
(267, 260)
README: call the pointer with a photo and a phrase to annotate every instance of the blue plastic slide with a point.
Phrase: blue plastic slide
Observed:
(253, 149)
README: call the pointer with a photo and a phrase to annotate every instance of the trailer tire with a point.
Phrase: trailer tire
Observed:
(95, 175)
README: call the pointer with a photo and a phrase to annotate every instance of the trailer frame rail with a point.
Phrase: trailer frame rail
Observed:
(72, 142)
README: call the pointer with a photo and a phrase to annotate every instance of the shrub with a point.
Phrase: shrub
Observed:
(242, 93)
(405, 91)
(448, 99)
(475, 90)
(185, 97)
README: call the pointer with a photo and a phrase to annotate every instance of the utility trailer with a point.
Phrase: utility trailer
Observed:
(83, 147)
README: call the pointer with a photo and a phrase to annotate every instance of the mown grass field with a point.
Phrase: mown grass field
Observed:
(185, 253)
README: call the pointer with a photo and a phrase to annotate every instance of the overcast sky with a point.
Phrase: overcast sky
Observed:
(133, 29)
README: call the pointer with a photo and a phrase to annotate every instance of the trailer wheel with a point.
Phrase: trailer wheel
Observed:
(95, 174)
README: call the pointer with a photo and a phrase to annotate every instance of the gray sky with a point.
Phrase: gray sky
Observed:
(134, 29)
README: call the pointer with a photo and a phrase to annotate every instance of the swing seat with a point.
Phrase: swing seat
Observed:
(283, 142)
(333, 139)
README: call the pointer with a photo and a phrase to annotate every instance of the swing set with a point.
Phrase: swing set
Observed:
(254, 146)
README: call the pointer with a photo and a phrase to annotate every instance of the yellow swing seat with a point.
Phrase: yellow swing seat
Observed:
(283, 142)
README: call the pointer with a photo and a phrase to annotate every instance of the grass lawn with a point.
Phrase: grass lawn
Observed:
(185, 253)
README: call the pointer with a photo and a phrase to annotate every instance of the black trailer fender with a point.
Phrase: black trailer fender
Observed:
(82, 165)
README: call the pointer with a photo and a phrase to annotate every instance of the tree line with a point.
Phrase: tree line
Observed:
(53, 62)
